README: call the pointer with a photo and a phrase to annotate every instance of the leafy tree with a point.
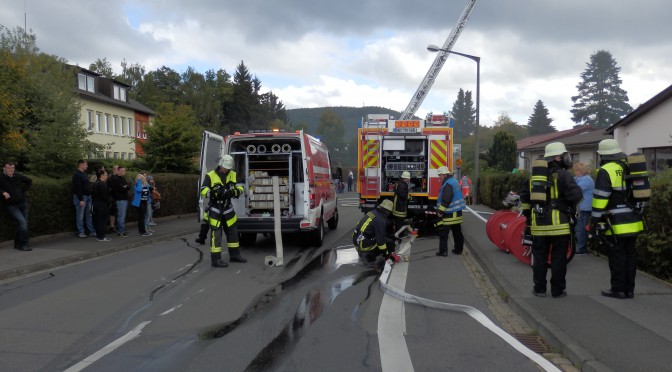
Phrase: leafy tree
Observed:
(173, 139)
(464, 115)
(331, 130)
(601, 102)
(103, 67)
(132, 74)
(502, 153)
(539, 122)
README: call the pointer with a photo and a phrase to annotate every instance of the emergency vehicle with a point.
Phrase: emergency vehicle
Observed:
(388, 147)
(303, 167)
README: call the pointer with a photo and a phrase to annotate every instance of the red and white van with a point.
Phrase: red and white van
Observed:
(306, 186)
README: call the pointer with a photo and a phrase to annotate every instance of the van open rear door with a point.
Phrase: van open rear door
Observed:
(212, 147)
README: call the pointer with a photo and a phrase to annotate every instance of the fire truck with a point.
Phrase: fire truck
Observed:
(388, 147)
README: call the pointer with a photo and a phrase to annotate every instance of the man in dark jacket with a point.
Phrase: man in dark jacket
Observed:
(370, 235)
(400, 210)
(119, 188)
(551, 223)
(81, 199)
(13, 185)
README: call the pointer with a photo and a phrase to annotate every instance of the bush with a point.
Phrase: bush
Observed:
(493, 188)
(51, 210)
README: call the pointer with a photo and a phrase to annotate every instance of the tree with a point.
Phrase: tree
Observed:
(502, 153)
(464, 115)
(601, 102)
(102, 67)
(331, 130)
(132, 74)
(506, 124)
(173, 139)
(539, 122)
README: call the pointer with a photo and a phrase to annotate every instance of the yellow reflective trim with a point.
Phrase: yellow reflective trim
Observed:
(233, 245)
(627, 228)
(231, 221)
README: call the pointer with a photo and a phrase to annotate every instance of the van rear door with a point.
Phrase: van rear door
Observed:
(212, 147)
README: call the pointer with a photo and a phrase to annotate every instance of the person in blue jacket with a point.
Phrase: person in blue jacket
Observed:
(449, 210)
(585, 207)
(141, 200)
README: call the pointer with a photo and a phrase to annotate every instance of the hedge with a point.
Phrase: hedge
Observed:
(50, 208)
(654, 248)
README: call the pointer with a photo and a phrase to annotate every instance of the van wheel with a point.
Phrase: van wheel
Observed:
(318, 234)
(333, 221)
(248, 239)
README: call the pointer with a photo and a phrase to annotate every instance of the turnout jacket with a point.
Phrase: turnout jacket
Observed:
(610, 201)
(15, 186)
(370, 232)
(450, 203)
(220, 210)
(400, 200)
(562, 195)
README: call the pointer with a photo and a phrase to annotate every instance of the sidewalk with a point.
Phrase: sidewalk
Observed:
(595, 332)
(61, 249)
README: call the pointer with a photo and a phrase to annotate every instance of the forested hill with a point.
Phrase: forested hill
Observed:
(350, 115)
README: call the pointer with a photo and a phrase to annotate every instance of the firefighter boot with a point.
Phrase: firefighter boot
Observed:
(216, 260)
(235, 256)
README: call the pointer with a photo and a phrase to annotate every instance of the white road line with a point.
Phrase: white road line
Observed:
(394, 355)
(135, 332)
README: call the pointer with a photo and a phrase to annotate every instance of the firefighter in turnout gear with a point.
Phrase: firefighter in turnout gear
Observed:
(220, 186)
(612, 208)
(370, 235)
(449, 209)
(548, 200)
(400, 210)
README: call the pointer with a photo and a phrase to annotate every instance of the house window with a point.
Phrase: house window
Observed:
(114, 124)
(123, 156)
(122, 94)
(89, 120)
(116, 155)
(575, 158)
(107, 123)
(116, 92)
(108, 154)
(658, 159)
(89, 84)
(121, 126)
(131, 156)
(98, 121)
(144, 135)
(81, 78)
(85, 82)
(129, 132)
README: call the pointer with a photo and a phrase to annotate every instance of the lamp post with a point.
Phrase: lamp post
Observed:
(434, 48)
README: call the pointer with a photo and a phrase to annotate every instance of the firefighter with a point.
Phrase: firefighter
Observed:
(549, 221)
(220, 186)
(400, 209)
(370, 235)
(611, 205)
(449, 207)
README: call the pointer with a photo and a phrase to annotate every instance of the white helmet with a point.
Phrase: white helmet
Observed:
(226, 162)
(405, 174)
(444, 170)
(387, 204)
(608, 147)
(554, 148)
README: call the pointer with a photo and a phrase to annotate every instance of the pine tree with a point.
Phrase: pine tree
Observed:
(464, 115)
(539, 122)
(502, 153)
(601, 102)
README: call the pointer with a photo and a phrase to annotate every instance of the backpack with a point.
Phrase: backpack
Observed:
(636, 179)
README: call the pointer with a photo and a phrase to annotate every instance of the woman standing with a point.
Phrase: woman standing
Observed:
(101, 205)
(140, 202)
(585, 207)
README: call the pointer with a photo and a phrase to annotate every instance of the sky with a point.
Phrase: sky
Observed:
(371, 52)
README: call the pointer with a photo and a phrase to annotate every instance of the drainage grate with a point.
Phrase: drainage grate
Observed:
(533, 342)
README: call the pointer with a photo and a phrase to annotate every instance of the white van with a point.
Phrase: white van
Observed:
(301, 163)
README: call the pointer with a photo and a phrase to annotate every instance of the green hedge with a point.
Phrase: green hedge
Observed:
(51, 210)
(654, 248)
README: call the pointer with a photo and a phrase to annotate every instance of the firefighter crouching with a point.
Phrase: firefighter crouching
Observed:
(220, 186)
(449, 207)
(612, 209)
(400, 209)
(548, 200)
(370, 235)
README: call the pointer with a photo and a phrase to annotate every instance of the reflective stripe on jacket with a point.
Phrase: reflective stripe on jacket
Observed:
(610, 201)
(219, 211)
(450, 202)
(400, 200)
(370, 232)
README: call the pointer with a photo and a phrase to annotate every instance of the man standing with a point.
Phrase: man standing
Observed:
(113, 205)
(549, 222)
(465, 183)
(351, 179)
(400, 210)
(81, 199)
(13, 185)
(370, 235)
(221, 185)
(611, 205)
(119, 188)
(449, 209)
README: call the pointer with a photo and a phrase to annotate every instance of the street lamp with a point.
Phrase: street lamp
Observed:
(434, 48)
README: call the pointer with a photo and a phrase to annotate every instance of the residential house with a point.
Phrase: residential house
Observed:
(110, 117)
(581, 143)
(648, 130)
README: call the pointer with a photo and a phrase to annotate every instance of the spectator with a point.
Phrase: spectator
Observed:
(113, 205)
(585, 206)
(101, 205)
(119, 188)
(351, 179)
(140, 201)
(153, 193)
(13, 185)
(81, 199)
(465, 184)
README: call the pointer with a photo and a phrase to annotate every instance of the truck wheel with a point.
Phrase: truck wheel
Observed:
(318, 234)
(333, 221)
(248, 239)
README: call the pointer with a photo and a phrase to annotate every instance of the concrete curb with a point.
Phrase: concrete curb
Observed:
(556, 337)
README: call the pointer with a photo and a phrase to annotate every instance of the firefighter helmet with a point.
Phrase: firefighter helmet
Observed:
(444, 170)
(405, 174)
(387, 204)
(554, 149)
(608, 147)
(226, 162)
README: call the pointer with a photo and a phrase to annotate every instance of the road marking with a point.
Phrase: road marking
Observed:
(171, 310)
(135, 332)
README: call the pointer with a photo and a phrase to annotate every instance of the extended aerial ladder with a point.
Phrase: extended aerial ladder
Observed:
(440, 59)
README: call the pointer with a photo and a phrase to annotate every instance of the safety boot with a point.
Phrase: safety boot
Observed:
(235, 256)
(216, 260)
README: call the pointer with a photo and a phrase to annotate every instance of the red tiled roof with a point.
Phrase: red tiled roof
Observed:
(533, 141)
